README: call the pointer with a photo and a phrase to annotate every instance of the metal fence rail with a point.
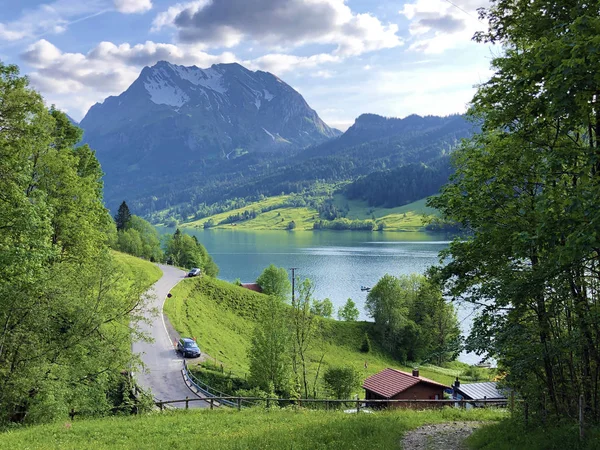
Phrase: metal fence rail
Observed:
(210, 392)
(327, 403)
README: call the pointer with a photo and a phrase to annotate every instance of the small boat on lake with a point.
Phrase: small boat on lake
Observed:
(365, 288)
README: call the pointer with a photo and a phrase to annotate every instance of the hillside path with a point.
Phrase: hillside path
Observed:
(440, 436)
(162, 374)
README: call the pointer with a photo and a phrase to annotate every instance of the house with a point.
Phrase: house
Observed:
(479, 391)
(392, 384)
(252, 286)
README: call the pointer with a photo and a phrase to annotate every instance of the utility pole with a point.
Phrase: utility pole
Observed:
(293, 269)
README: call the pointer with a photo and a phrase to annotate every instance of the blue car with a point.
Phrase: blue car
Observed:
(188, 348)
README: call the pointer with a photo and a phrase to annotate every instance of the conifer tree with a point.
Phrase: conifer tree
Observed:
(123, 217)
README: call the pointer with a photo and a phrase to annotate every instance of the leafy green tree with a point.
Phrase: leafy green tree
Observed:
(67, 314)
(303, 330)
(341, 381)
(123, 217)
(140, 239)
(185, 251)
(349, 312)
(527, 189)
(323, 308)
(269, 353)
(275, 281)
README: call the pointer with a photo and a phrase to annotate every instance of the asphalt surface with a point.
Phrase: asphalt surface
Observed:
(162, 372)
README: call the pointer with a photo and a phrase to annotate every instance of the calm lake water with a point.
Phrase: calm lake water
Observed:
(339, 262)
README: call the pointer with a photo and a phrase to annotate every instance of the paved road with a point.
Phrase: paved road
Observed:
(163, 364)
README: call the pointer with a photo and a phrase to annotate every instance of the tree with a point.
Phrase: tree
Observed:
(365, 347)
(349, 312)
(341, 381)
(123, 217)
(323, 308)
(303, 330)
(275, 281)
(526, 188)
(140, 239)
(269, 353)
(67, 313)
(185, 251)
(291, 225)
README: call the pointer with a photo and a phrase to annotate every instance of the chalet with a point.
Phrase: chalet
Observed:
(392, 384)
(252, 286)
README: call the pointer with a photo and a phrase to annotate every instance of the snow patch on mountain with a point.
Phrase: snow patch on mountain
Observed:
(163, 93)
(268, 95)
(207, 78)
(272, 137)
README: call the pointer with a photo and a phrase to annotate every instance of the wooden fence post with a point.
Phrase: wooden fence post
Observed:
(239, 402)
(211, 403)
(512, 402)
(581, 424)
(526, 414)
(357, 406)
(268, 402)
(187, 402)
(160, 404)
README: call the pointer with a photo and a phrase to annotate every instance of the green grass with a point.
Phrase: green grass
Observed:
(512, 434)
(221, 316)
(402, 218)
(140, 270)
(230, 429)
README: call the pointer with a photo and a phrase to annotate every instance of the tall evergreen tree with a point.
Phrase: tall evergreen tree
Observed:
(123, 217)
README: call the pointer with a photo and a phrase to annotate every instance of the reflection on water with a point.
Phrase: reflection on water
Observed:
(339, 262)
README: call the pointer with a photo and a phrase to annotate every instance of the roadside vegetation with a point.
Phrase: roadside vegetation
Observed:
(223, 317)
(230, 429)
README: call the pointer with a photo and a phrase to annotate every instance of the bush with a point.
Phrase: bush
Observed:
(366, 344)
(341, 381)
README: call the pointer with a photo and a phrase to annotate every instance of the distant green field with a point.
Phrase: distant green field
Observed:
(221, 316)
(231, 429)
(402, 218)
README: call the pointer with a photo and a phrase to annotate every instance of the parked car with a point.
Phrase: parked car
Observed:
(194, 272)
(188, 348)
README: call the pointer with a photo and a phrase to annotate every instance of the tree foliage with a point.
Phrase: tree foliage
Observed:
(123, 217)
(341, 381)
(269, 353)
(322, 308)
(527, 187)
(275, 281)
(185, 251)
(67, 315)
(139, 239)
(349, 312)
(412, 319)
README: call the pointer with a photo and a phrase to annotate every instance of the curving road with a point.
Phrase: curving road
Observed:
(162, 374)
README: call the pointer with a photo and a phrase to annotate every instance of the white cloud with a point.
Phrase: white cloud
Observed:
(133, 6)
(276, 23)
(75, 81)
(438, 25)
(322, 74)
(279, 63)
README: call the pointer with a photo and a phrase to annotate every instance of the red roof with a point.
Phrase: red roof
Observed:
(252, 286)
(390, 382)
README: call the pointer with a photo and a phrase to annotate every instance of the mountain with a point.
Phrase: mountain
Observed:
(410, 156)
(174, 124)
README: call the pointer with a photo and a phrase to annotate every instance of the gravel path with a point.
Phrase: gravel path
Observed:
(442, 436)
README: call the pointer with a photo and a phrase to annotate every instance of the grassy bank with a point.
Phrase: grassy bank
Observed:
(512, 434)
(229, 429)
(138, 270)
(403, 218)
(221, 316)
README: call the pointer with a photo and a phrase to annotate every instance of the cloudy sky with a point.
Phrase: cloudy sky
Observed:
(346, 57)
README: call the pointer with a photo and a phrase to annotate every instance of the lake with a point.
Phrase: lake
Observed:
(338, 262)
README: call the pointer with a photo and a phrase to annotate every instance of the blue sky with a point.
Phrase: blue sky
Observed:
(346, 58)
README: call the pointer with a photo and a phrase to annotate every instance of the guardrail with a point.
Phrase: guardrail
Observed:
(210, 393)
(328, 403)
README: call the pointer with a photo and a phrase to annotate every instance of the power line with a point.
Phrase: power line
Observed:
(466, 12)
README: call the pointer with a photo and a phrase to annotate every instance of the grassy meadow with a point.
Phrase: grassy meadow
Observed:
(142, 271)
(221, 316)
(231, 429)
(403, 218)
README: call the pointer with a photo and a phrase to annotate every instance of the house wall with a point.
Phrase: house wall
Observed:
(421, 391)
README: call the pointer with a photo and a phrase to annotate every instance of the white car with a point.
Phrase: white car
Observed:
(194, 272)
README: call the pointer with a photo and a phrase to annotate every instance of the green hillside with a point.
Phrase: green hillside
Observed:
(140, 270)
(221, 317)
(408, 217)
